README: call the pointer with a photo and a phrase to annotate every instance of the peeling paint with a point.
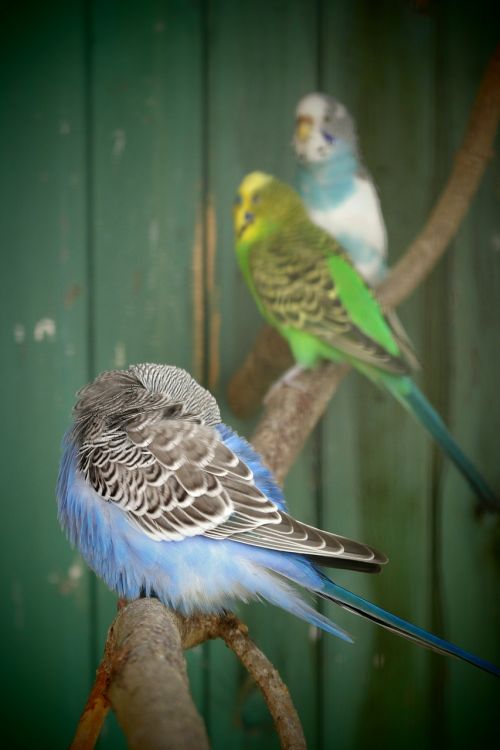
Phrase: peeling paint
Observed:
(214, 322)
(45, 328)
(154, 233)
(19, 333)
(120, 354)
(314, 633)
(214, 333)
(75, 571)
(198, 300)
(495, 243)
(64, 127)
(68, 582)
(72, 294)
(119, 142)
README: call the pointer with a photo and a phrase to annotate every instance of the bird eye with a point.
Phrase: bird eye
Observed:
(238, 200)
(329, 138)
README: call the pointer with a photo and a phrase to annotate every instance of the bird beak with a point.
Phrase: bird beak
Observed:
(303, 128)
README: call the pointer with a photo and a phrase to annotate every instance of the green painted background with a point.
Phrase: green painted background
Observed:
(124, 130)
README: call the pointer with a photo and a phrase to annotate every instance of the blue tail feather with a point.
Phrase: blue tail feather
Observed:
(360, 606)
(303, 573)
(415, 401)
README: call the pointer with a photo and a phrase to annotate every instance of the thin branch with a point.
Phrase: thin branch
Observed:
(196, 630)
(97, 707)
(268, 358)
(143, 677)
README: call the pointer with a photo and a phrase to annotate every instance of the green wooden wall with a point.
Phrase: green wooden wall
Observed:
(125, 128)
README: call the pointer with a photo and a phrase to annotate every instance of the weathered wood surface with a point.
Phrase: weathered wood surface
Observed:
(125, 130)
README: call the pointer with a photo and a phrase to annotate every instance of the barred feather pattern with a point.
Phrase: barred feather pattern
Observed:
(295, 285)
(151, 447)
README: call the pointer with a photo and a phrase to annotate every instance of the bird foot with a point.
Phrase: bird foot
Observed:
(288, 378)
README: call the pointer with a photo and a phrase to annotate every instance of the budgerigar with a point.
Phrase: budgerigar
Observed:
(306, 286)
(337, 190)
(163, 499)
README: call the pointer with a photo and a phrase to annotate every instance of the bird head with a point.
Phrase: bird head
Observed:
(117, 397)
(262, 203)
(322, 127)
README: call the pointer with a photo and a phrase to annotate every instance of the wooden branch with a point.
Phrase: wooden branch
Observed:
(97, 706)
(144, 678)
(291, 413)
(196, 630)
(268, 358)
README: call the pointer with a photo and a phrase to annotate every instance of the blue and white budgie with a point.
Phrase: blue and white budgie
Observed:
(337, 190)
(162, 498)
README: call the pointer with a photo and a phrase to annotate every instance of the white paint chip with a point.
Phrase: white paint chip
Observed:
(119, 142)
(314, 633)
(45, 328)
(495, 243)
(69, 582)
(19, 333)
(75, 572)
(120, 354)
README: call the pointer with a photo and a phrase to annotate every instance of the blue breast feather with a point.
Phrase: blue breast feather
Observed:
(324, 185)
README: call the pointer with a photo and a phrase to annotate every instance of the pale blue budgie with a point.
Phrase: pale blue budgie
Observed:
(337, 190)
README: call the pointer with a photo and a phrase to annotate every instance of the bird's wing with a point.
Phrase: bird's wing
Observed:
(177, 479)
(311, 285)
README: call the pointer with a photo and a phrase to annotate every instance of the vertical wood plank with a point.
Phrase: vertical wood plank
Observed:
(147, 166)
(470, 558)
(376, 481)
(261, 60)
(45, 628)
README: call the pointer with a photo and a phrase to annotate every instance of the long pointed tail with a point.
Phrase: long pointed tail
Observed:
(359, 606)
(416, 403)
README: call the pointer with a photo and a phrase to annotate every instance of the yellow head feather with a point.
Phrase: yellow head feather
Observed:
(246, 225)
(252, 182)
(261, 203)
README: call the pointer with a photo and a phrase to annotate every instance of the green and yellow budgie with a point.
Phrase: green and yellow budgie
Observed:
(307, 288)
